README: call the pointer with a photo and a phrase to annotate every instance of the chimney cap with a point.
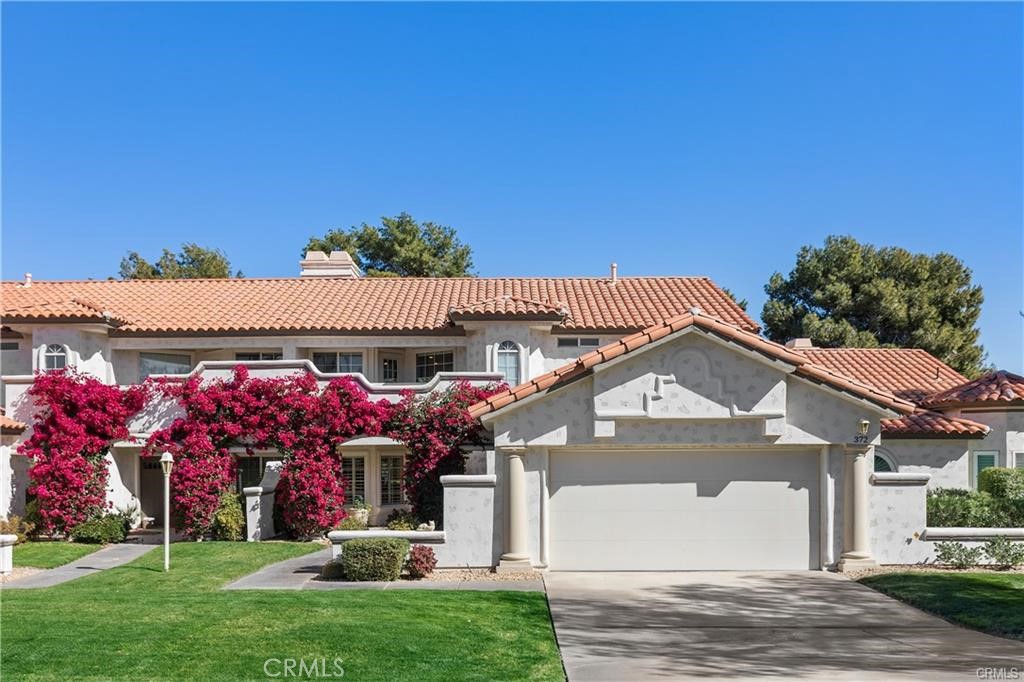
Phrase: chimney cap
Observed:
(337, 264)
(800, 342)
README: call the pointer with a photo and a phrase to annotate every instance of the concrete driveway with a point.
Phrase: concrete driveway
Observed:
(806, 625)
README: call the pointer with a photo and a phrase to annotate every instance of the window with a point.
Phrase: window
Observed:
(578, 342)
(391, 479)
(884, 463)
(1019, 460)
(55, 357)
(389, 370)
(508, 361)
(335, 363)
(250, 471)
(255, 356)
(354, 470)
(8, 345)
(429, 364)
(163, 363)
(983, 460)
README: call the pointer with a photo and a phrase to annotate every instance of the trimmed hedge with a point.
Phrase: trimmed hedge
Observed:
(1002, 482)
(373, 558)
(332, 570)
(229, 519)
(973, 509)
(102, 531)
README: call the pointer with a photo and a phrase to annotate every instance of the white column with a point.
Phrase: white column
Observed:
(856, 541)
(517, 553)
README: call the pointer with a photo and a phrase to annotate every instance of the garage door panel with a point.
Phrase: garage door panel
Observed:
(683, 510)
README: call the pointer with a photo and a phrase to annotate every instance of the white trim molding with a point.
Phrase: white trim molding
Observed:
(963, 533)
(899, 478)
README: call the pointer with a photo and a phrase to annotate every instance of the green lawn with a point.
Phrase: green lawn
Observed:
(50, 554)
(991, 602)
(138, 623)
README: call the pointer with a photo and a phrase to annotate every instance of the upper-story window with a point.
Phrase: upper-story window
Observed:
(253, 356)
(55, 357)
(578, 342)
(508, 362)
(163, 363)
(8, 345)
(334, 363)
(429, 364)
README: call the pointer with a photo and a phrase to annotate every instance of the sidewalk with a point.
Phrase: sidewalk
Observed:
(108, 557)
(299, 574)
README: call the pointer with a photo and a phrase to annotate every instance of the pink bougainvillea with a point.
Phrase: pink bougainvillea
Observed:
(77, 419)
(289, 414)
(434, 429)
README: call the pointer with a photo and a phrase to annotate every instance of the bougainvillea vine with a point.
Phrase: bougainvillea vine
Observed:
(76, 421)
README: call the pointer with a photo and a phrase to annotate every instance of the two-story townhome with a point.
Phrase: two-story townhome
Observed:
(648, 425)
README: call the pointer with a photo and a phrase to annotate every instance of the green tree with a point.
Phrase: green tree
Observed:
(192, 262)
(848, 294)
(400, 247)
(741, 302)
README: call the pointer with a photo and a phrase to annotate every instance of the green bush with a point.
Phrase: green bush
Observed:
(373, 558)
(351, 523)
(957, 554)
(229, 519)
(15, 525)
(1002, 482)
(1004, 552)
(127, 516)
(332, 570)
(32, 516)
(102, 531)
(402, 519)
(973, 509)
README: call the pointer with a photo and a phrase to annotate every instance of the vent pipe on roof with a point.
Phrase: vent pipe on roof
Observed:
(615, 273)
(28, 279)
(799, 343)
(338, 264)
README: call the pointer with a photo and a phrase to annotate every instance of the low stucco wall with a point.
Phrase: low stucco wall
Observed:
(898, 513)
(472, 526)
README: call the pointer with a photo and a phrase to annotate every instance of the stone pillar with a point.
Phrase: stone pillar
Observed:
(856, 541)
(517, 553)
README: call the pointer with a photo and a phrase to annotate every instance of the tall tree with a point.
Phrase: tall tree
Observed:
(857, 295)
(400, 247)
(192, 262)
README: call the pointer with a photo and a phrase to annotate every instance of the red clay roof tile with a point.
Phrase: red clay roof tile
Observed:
(924, 423)
(909, 373)
(996, 387)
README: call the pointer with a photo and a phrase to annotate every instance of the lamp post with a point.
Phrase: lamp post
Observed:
(167, 463)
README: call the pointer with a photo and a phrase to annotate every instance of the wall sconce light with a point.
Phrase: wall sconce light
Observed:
(862, 427)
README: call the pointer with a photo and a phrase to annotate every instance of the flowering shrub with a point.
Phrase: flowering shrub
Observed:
(421, 562)
(434, 429)
(76, 421)
(289, 414)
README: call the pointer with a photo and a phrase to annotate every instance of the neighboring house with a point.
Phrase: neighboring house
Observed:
(648, 425)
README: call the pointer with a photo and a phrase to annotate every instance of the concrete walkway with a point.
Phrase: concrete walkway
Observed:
(108, 557)
(300, 574)
(808, 626)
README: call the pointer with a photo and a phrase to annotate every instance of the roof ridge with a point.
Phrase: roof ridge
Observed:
(296, 278)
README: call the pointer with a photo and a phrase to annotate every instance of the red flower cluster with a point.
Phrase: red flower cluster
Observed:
(289, 414)
(77, 419)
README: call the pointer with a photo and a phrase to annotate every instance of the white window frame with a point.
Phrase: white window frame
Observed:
(187, 356)
(974, 463)
(439, 351)
(1018, 460)
(337, 359)
(351, 495)
(47, 352)
(502, 349)
(259, 355)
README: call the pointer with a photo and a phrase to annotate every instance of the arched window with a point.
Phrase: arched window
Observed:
(508, 361)
(55, 357)
(884, 462)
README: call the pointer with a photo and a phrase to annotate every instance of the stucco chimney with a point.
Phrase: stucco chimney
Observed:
(615, 272)
(338, 264)
(800, 343)
(28, 279)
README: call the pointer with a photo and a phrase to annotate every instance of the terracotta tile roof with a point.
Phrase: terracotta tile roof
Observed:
(996, 387)
(365, 305)
(909, 373)
(509, 306)
(583, 364)
(927, 424)
(10, 427)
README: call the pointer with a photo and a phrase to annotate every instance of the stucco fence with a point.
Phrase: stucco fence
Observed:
(899, 521)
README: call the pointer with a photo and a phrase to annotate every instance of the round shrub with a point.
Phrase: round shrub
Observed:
(421, 562)
(373, 558)
(351, 523)
(332, 570)
(1002, 482)
(229, 519)
(99, 531)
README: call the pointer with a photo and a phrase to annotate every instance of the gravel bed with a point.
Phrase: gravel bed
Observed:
(928, 568)
(460, 574)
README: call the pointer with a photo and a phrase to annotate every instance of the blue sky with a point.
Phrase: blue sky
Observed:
(673, 139)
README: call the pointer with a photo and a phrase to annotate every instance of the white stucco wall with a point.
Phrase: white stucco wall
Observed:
(1006, 435)
(945, 460)
(89, 352)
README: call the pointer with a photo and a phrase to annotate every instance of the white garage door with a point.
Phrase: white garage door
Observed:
(684, 510)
